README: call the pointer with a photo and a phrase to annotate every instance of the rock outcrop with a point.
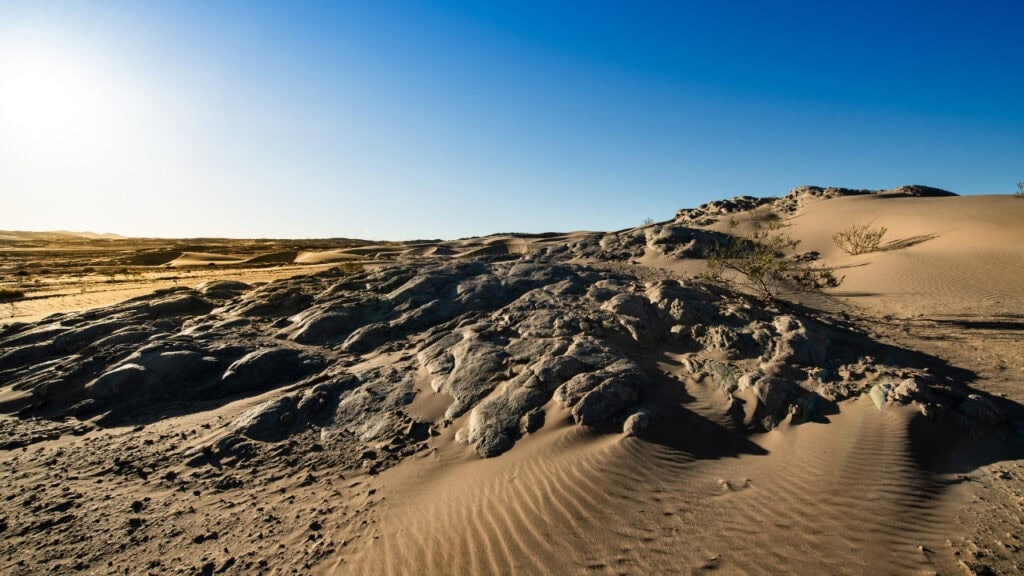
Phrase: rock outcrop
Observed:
(502, 339)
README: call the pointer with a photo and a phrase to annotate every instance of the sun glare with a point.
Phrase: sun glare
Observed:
(52, 98)
(72, 130)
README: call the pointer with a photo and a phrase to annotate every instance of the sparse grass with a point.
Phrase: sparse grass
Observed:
(349, 268)
(763, 216)
(859, 239)
(11, 294)
(763, 267)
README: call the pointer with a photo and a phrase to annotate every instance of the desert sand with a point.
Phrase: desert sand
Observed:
(577, 403)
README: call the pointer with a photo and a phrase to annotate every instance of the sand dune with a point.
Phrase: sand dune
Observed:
(284, 257)
(575, 403)
(841, 498)
(428, 250)
(325, 257)
(205, 259)
(957, 255)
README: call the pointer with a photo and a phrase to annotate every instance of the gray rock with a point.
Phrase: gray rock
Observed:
(981, 409)
(281, 417)
(767, 399)
(222, 289)
(532, 421)
(77, 338)
(467, 370)
(502, 336)
(368, 338)
(120, 380)
(602, 399)
(176, 305)
(638, 422)
(325, 325)
(267, 368)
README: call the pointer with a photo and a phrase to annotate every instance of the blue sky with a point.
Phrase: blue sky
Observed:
(399, 120)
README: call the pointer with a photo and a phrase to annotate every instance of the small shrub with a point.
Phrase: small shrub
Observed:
(762, 266)
(859, 239)
(764, 216)
(648, 221)
(11, 294)
(1020, 190)
(349, 268)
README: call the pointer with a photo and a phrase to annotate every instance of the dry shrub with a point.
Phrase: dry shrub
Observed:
(11, 294)
(859, 239)
(762, 266)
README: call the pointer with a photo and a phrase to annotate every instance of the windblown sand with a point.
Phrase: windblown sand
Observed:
(866, 486)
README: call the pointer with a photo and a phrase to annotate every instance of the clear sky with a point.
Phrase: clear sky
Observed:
(388, 119)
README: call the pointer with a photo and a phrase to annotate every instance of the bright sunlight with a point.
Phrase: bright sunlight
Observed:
(52, 98)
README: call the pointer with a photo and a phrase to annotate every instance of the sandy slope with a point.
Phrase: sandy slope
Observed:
(947, 256)
(841, 498)
(870, 488)
(871, 492)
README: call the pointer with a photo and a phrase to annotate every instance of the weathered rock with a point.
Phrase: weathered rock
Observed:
(282, 298)
(368, 337)
(767, 400)
(383, 394)
(636, 315)
(75, 339)
(503, 337)
(175, 305)
(153, 373)
(467, 370)
(601, 399)
(532, 421)
(222, 289)
(981, 409)
(684, 241)
(638, 422)
(276, 419)
(266, 368)
(118, 381)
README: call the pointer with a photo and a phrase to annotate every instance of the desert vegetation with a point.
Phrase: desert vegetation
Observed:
(11, 294)
(859, 239)
(760, 262)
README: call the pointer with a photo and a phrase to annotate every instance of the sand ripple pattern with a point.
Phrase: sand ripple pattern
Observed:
(841, 498)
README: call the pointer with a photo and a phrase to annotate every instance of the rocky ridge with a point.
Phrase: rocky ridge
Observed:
(500, 338)
(710, 212)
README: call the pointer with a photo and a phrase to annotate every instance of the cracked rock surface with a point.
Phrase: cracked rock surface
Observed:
(502, 339)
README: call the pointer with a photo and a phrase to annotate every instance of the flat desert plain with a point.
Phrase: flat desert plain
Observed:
(577, 403)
